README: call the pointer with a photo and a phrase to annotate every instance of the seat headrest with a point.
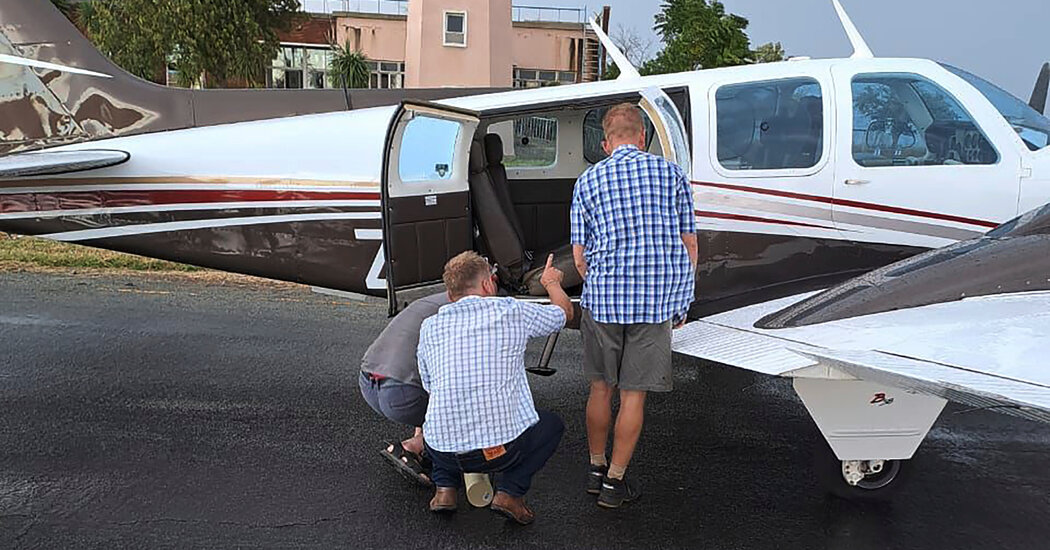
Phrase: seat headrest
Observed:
(477, 157)
(494, 149)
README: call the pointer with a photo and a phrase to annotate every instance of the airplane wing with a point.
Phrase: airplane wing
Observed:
(986, 352)
(46, 163)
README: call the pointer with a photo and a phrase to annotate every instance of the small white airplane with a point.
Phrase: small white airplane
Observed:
(806, 174)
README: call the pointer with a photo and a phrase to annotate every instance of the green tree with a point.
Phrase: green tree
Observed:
(769, 52)
(211, 42)
(349, 67)
(698, 34)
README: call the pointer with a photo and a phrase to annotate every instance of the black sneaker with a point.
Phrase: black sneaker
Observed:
(616, 492)
(594, 479)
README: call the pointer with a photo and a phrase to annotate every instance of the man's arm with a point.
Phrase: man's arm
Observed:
(421, 364)
(551, 281)
(578, 230)
(579, 257)
(691, 246)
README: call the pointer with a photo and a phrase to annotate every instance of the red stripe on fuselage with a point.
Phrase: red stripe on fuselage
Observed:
(743, 218)
(849, 203)
(76, 200)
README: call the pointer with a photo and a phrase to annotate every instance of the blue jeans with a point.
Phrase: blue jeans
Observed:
(524, 456)
(398, 401)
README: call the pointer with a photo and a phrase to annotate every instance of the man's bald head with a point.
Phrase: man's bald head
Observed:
(623, 125)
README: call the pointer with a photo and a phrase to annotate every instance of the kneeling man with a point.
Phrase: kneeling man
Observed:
(481, 417)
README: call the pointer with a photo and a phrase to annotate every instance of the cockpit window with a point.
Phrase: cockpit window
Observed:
(1033, 127)
(906, 120)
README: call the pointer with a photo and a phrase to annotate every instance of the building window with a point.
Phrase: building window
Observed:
(770, 125)
(300, 67)
(386, 74)
(456, 28)
(538, 78)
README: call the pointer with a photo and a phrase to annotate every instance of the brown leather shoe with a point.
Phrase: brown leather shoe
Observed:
(444, 500)
(512, 507)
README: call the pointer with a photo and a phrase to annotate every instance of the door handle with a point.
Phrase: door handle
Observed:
(856, 182)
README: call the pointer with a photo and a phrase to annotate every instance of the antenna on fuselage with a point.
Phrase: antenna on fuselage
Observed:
(627, 70)
(16, 60)
(860, 47)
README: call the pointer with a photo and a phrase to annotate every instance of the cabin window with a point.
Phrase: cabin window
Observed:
(906, 120)
(528, 142)
(428, 149)
(770, 125)
(456, 28)
(593, 134)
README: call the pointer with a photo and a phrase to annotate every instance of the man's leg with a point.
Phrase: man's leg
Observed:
(646, 367)
(405, 404)
(446, 475)
(599, 420)
(535, 446)
(602, 346)
(628, 429)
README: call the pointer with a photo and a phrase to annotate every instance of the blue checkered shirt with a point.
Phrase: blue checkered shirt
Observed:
(629, 213)
(472, 361)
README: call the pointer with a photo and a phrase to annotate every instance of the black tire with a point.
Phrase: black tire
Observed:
(875, 487)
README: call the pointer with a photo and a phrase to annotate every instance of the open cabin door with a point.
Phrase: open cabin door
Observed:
(425, 191)
(670, 128)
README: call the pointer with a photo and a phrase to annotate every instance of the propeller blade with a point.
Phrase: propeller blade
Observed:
(16, 60)
(1038, 101)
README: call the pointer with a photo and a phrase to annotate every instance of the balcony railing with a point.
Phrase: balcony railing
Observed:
(544, 14)
(383, 7)
(400, 7)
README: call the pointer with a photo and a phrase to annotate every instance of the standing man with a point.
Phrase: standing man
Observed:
(634, 243)
(390, 384)
(481, 416)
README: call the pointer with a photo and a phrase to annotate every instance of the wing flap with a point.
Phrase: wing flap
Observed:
(48, 163)
(977, 389)
(739, 348)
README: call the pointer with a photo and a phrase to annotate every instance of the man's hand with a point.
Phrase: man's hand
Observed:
(551, 275)
(551, 281)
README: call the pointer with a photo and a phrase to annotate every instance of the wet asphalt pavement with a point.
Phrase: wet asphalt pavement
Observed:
(151, 414)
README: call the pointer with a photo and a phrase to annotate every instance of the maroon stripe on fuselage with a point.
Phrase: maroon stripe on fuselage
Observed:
(75, 200)
(744, 218)
(849, 203)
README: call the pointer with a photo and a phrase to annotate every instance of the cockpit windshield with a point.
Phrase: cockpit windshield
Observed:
(1033, 127)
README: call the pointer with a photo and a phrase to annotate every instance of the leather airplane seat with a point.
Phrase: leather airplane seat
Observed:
(500, 227)
(498, 237)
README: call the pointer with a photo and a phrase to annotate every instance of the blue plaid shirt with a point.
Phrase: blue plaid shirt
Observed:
(629, 212)
(472, 361)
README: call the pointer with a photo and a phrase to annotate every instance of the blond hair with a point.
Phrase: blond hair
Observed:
(463, 272)
(622, 122)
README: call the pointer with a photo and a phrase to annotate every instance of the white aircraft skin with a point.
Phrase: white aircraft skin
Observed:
(330, 167)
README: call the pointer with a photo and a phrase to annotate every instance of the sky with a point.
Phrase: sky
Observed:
(1004, 42)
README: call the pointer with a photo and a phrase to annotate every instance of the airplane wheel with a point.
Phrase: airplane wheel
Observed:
(874, 480)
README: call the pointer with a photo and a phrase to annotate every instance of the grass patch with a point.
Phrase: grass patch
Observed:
(30, 252)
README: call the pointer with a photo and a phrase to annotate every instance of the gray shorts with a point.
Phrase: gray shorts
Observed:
(630, 357)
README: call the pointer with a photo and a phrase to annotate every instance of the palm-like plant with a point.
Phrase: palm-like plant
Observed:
(349, 66)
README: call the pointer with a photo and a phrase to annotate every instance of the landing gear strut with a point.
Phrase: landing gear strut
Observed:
(858, 479)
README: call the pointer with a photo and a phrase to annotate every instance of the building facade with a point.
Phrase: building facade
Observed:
(441, 43)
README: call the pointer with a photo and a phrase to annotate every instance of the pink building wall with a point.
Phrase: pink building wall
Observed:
(382, 38)
(495, 44)
(545, 46)
(484, 62)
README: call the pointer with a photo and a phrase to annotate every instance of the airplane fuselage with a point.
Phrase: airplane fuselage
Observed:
(804, 174)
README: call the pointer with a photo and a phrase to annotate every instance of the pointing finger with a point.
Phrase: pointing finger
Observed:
(550, 260)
